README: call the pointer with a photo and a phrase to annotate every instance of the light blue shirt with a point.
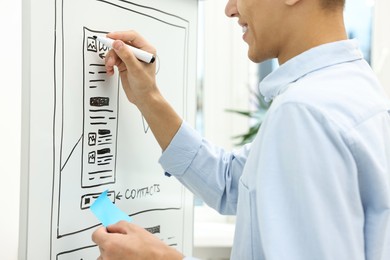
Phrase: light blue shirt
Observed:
(315, 183)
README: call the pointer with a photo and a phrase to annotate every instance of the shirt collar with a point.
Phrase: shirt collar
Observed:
(314, 59)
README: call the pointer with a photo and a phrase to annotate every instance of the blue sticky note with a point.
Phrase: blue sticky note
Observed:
(107, 212)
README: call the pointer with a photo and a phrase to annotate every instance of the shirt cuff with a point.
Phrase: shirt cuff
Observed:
(179, 154)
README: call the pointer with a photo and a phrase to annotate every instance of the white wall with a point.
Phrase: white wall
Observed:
(10, 114)
(226, 75)
(381, 42)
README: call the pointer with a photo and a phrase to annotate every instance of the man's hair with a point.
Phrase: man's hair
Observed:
(332, 4)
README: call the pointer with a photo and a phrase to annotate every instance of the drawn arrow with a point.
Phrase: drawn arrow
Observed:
(118, 196)
(102, 55)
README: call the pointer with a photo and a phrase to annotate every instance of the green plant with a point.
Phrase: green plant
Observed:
(256, 117)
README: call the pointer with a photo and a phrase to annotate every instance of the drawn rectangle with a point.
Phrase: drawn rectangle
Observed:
(98, 113)
(88, 199)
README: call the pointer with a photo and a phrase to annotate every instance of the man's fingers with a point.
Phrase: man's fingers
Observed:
(134, 39)
(125, 54)
(122, 227)
(111, 61)
(128, 36)
(99, 235)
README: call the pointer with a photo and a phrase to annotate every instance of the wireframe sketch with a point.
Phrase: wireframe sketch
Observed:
(101, 140)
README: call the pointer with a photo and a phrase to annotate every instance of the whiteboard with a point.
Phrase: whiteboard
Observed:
(80, 134)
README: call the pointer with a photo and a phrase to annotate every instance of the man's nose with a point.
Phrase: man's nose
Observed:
(231, 8)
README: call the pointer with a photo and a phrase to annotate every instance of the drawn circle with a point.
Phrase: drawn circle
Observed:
(157, 64)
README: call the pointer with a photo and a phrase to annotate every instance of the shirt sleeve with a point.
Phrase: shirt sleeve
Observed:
(370, 142)
(207, 170)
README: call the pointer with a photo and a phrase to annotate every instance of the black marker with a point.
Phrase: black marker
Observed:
(140, 54)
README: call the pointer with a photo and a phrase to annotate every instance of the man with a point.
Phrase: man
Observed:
(315, 183)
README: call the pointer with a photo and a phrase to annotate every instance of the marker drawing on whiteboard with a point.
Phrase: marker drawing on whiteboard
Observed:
(106, 211)
(140, 54)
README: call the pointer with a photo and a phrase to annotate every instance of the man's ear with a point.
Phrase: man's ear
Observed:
(291, 2)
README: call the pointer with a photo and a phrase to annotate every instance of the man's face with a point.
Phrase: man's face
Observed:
(262, 25)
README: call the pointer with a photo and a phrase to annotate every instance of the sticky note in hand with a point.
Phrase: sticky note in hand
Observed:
(107, 212)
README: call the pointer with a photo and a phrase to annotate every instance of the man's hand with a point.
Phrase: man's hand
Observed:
(139, 83)
(124, 240)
